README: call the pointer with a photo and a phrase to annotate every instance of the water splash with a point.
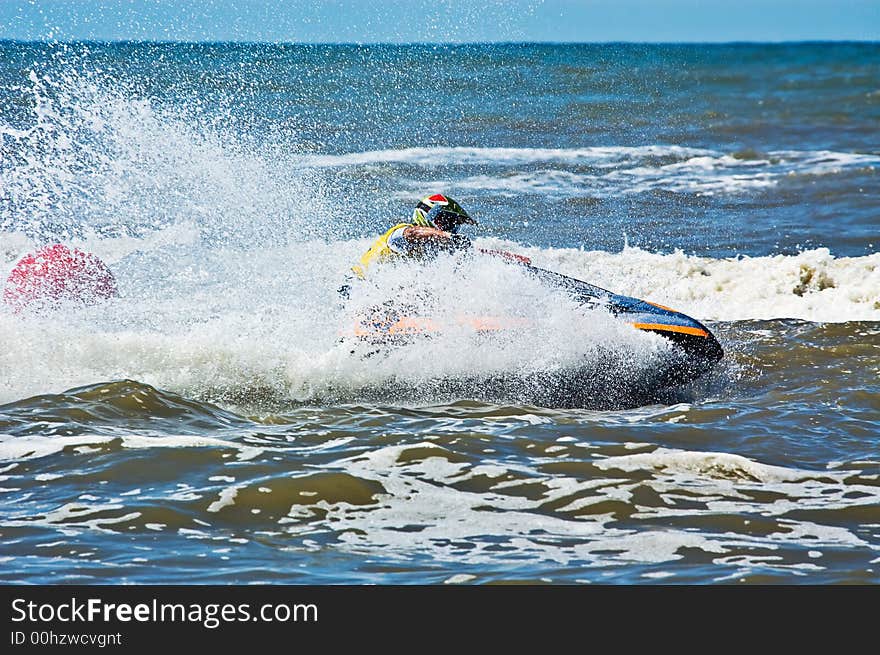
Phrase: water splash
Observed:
(97, 157)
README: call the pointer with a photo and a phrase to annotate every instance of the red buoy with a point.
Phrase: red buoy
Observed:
(56, 274)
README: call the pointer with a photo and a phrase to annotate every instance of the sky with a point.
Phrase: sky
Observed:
(436, 21)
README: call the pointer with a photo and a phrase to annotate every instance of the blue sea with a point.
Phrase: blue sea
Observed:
(214, 423)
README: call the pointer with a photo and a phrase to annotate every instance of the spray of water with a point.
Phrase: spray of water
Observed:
(228, 270)
(95, 157)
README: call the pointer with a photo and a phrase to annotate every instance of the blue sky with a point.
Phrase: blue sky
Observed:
(395, 21)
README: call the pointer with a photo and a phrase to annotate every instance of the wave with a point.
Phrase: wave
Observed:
(125, 407)
(812, 285)
(592, 155)
(396, 500)
(607, 171)
(445, 156)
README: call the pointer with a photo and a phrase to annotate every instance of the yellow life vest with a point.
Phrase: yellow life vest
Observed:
(378, 252)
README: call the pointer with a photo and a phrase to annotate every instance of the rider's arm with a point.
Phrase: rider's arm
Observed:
(416, 240)
(421, 234)
(430, 237)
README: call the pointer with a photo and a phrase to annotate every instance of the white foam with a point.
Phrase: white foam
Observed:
(618, 183)
(813, 285)
(615, 170)
(446, 156)
(31, 447)
(419, 493)
(227, 497)
(35, 446)
(73, 514)
(724, 466)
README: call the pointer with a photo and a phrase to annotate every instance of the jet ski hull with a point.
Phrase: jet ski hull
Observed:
(695, 350)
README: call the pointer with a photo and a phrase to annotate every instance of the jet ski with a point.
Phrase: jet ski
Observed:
(694, 349)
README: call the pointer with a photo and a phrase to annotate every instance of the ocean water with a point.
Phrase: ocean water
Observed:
(215, 424)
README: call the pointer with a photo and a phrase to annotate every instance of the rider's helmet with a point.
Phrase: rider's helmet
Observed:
(441, 212)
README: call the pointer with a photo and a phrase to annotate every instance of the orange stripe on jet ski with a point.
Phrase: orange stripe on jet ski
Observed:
(416, 325)
(671, 328)
(668, 309)
(492, 323)
(410, 325)
(405, 325)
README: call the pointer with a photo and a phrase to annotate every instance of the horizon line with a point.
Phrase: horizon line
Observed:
(44, 41)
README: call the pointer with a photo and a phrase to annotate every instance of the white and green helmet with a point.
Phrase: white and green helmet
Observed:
(441, 212)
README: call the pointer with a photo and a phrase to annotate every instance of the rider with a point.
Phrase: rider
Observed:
(433, 228)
